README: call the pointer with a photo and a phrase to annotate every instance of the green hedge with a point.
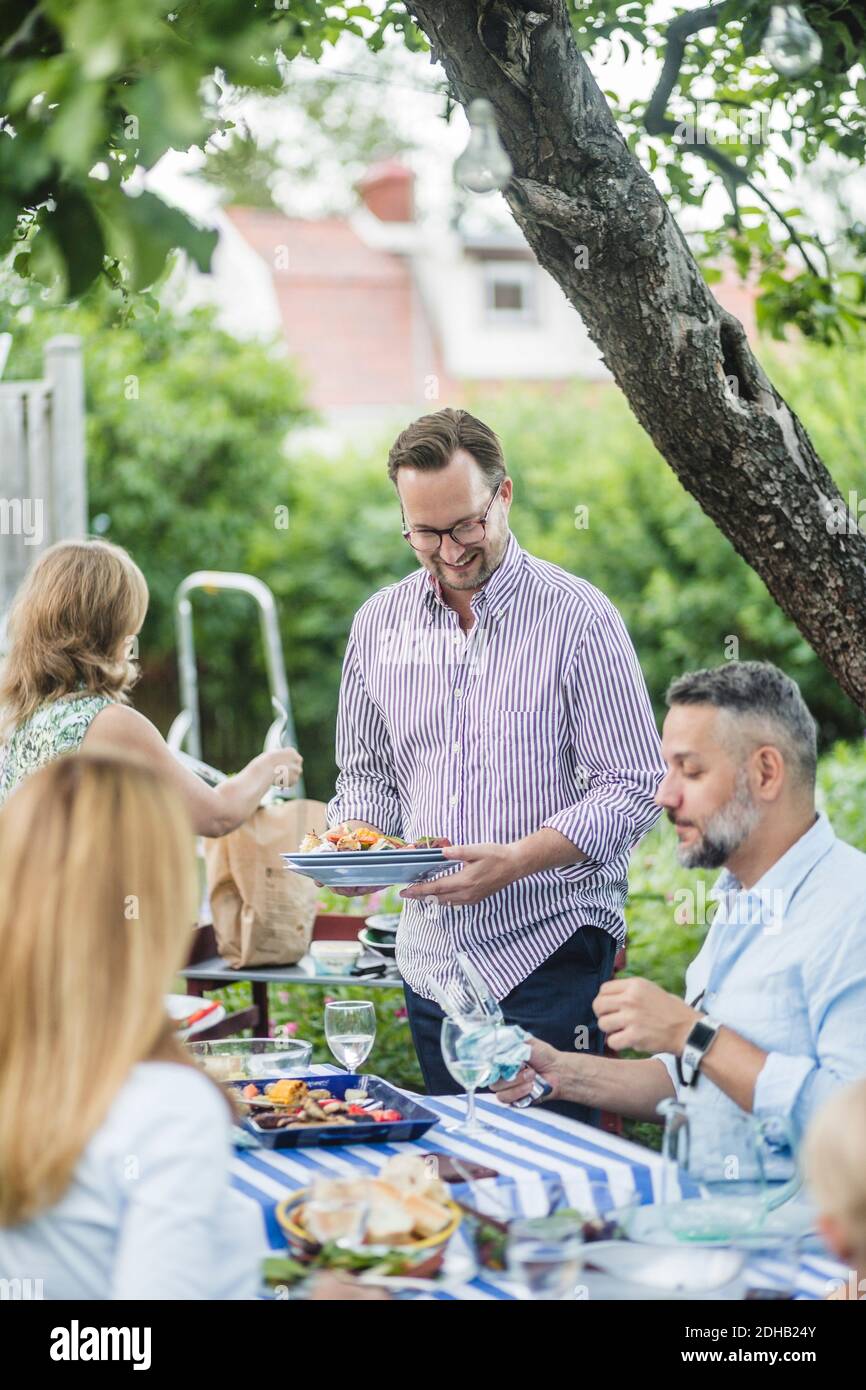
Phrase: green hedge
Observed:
(186, 432)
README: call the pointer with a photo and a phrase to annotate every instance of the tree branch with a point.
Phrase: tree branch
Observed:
(657, 122)
(734, 176)
(22, 33)
(683, 363)
(676, 34)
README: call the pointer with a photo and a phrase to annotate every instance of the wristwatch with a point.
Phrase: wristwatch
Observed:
(697, 1045)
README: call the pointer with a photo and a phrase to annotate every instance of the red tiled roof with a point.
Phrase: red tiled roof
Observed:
(325, 249)
(347, 308)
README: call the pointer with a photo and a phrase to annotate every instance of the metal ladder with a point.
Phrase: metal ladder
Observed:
(184, 736)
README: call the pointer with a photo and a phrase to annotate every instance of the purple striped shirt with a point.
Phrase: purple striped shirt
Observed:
(539, 716)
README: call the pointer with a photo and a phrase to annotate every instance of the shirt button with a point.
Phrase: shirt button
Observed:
(454, 800)
(501, 613)
(457, 693)
(455, 748)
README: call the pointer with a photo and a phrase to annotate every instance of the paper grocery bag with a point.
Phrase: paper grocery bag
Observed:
(262, 913)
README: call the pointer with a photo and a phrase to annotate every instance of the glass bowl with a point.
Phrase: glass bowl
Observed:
(241, 1059)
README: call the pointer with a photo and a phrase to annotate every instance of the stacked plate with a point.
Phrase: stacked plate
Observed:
(380, 934)
(368, 869)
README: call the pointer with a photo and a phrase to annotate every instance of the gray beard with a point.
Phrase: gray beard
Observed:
(724, 832)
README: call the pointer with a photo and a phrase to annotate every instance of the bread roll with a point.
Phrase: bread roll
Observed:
(329, 1225)
(388, 1221)
(428, 1218)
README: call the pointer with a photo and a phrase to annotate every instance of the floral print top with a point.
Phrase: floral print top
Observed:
(56, 727)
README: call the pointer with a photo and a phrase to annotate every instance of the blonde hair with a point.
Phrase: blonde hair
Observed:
(834, 1161)
(66, 624)
(99, 900)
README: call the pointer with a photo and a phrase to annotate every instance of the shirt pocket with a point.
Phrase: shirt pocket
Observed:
(520, 768)
(773, 1016)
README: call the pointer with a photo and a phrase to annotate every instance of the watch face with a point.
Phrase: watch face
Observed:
(701, 1035)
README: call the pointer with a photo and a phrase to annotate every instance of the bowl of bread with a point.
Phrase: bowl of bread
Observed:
(403, 1216)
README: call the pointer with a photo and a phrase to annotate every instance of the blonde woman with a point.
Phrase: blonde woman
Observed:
(834, 1160)
(66, 680)
(114, 1147)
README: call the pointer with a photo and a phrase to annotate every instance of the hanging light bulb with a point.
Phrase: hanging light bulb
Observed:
(484, 165)
(790, 45)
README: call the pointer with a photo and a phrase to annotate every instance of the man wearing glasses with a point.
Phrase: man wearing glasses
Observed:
(495, 699)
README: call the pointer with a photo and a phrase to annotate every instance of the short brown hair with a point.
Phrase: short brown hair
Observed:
(432, 441)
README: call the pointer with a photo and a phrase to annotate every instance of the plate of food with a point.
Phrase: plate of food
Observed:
(344, 840)
(400, 1220)
(291, 1113)
(343, 857)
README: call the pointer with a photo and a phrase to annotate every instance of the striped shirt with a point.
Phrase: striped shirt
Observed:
(539, 716)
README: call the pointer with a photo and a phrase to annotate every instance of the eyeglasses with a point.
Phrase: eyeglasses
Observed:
(427, 538)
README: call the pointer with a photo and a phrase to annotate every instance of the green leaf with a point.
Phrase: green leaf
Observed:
(8, 221)
(78, 128)
(169, 112)
(48, 77)
(79, 236)
(145, 229)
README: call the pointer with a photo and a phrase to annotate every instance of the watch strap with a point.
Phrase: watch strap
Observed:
(694, 1052)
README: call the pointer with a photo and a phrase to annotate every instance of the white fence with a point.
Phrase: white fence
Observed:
(43, 489)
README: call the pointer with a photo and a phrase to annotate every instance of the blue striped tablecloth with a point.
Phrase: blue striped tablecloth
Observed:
(599, 1171)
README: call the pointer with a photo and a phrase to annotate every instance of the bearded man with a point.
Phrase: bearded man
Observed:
(774, 1015)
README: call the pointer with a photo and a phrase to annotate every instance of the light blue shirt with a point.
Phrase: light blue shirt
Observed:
(150, 1212)
(784, 965)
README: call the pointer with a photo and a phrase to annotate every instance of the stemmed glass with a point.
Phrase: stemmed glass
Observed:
(350, 1028)
(468, 1050)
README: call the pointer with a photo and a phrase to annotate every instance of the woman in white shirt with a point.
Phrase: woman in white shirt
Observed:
(114, 1148)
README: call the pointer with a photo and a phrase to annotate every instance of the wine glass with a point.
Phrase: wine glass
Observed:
(468, 1051)
(350, 1028)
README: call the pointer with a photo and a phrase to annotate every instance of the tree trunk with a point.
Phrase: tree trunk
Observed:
(596, 222)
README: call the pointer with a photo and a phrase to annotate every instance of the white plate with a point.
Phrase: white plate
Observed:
(369, 872)
(180, 1006)
(678, 1271)
(384, 922)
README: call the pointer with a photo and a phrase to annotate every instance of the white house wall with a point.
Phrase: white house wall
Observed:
(553, 346)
